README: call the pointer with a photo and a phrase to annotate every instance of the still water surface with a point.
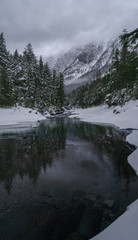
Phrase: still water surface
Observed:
(64, 180)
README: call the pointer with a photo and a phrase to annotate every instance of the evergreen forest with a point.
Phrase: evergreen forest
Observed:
(28, 81)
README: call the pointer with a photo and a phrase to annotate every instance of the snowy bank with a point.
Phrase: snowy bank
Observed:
(126, 226)
(19, 117)
(126, 116)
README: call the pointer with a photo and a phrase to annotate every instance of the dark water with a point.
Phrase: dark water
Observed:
(63, 180)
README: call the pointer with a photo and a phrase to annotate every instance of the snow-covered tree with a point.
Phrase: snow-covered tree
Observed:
(28, 82)
(6, 91)
(61, 91)
(29, 66)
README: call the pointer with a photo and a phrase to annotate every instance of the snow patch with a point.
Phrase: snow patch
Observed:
(19, 116)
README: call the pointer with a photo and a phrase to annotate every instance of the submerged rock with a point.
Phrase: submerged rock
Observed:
(109, 203)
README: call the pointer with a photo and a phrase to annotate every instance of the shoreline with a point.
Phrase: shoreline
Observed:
(125, 226)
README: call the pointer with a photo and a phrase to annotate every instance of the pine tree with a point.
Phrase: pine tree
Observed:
(54, 88)
(30, 76)
(38, 83)
(61, 91)
(6, 93)
(44, 86)
(128, 57)
(123, 58)
(6, 96)
(47, 86)
(3, 52)
(16, 75)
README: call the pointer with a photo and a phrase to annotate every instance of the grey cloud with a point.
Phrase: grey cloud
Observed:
(54, 25)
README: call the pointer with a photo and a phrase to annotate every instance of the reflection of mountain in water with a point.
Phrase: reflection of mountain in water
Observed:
(25, 154)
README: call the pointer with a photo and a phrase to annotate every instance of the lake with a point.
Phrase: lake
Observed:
(65, 179)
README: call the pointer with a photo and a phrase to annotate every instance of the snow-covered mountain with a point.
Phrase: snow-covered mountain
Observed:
(62, 61)
(81, 65)
(103, 63)
(86, 63)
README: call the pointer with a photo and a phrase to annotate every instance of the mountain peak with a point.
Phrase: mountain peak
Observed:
(80, 65)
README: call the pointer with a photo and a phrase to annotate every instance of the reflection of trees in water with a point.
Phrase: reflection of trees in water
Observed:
(27, 154)
(106, 139)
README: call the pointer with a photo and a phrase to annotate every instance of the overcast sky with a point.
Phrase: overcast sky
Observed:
(52, 26)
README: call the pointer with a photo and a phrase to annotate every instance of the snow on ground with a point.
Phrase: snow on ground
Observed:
(19, 117)
(126, 226)
(127, 118)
